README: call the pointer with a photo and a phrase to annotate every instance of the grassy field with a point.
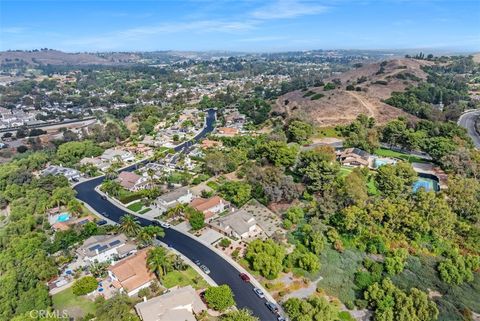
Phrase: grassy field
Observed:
(338, 271)
(183, 278)
(327, 132)
(145, 210)
(372, 188)
(420, 272)
(76, 307)
(383, 152)
(344, 171)
(137, 206)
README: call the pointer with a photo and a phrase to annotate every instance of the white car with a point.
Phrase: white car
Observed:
(205, 269)
(259, 293)
(165, 225)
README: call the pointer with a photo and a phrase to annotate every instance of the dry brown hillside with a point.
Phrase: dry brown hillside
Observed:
(339, 106)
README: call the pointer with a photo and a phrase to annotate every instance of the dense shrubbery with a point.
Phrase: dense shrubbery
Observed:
(84, 285)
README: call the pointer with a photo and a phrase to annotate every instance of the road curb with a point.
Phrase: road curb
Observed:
(233, 263)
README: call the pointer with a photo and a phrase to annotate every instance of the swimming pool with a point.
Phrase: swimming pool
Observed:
(426, 183)
(63, 217)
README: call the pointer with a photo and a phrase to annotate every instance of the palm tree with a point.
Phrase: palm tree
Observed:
(129, 225)
(149, 233)
(159, 261)
(175, 211)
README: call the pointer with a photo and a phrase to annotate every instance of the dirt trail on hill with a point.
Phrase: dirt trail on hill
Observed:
(366, 104)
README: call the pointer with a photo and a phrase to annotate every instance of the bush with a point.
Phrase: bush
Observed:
(219, 297)
(196, 219)
(317, 96)
(329, 86)
(361, 304)
(225, 242)
(84, 285)
(350, 305)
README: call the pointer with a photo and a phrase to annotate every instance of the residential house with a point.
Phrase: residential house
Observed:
(181, 195)
(239, 224)
(103, 248)
(132, 181)
(207, 143)
(115, 154)
(66, 225)
(70, 173)
(227, 131)
(354, 157)
(97, 162)
(181, 304)
(131, 274)
(210, 206)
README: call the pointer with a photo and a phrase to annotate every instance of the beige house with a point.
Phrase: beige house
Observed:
(181, 304)
(210, 206)
(354, 157)
(239, 224)
(130, 275)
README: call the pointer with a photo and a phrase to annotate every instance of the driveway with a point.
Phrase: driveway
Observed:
(210, 236)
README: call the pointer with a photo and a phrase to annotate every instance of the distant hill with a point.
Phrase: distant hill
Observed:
(55, 57)
(368, 84)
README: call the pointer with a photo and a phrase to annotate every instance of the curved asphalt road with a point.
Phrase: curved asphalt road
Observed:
(220, 270)
(467, 121)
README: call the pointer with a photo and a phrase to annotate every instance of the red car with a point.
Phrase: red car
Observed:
(244, 277)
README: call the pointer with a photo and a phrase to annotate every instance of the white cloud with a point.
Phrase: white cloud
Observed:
(282, 9)
(14, 29)
(261, 39)
(118, 38)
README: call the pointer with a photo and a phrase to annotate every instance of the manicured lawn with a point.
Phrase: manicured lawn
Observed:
(145, 210)
(344, 171)
(137, 206)
(383, 152)
(77, 306)
(372, 188)
(184, 278)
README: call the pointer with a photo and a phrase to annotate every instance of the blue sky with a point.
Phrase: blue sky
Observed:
(250, 25)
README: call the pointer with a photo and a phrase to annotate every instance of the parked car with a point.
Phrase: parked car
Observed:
(104, 197)
(205, 269)
(197, 262)
(101, 222)
(272, 307)
(280, 318)
(259, 293)
(165, 225)
(244, 277)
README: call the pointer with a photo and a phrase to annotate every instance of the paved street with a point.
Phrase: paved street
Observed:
(467, 121)
(222, 272)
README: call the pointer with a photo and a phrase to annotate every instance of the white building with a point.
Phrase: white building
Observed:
(104, 248)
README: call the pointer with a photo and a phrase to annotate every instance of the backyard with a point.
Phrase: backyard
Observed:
(75, 306)
(383, 152)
